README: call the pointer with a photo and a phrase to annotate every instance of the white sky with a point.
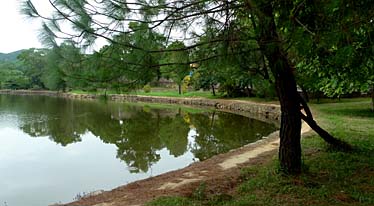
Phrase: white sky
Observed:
(18, 32)
(21, 32)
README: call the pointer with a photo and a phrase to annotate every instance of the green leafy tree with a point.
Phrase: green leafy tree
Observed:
(53, 75)
(119, 67)
(338, 62)
(12, 76)
(34, 61)
(68, 70)
(176, 63)
(238, 66)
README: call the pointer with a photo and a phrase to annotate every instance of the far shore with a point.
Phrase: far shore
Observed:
(267, 112)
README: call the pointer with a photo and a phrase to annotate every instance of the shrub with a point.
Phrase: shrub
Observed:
(147, 88)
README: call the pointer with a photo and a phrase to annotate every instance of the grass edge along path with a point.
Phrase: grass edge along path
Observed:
(330, 177)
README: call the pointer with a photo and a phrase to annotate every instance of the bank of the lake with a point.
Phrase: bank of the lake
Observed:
(269, 112)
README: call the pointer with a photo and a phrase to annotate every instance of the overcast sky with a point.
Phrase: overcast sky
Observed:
(17, 32)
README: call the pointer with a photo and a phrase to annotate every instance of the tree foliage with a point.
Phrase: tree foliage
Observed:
(339, 45)
(35, 61)
(178, 71)
(12, 76)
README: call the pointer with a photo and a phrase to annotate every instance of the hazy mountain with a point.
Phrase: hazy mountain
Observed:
(10, 56)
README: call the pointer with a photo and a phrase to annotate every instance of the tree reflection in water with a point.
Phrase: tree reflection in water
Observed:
(139, 132)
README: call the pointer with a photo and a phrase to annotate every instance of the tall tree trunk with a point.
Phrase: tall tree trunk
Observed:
(372, 97)
(290, 146)
(213, 90)
(179, 89)
(269, 41)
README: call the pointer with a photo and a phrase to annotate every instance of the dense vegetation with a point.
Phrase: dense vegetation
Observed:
(10, 56)
(66, 68)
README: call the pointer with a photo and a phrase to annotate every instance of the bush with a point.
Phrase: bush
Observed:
(186, 83)
(264, 89)
(147, 88)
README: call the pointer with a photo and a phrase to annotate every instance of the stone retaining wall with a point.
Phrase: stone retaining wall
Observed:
(265, 112)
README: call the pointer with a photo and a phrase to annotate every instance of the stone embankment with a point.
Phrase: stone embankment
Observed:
(261, 111)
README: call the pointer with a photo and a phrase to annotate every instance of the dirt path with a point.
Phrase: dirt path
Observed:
(220, 174)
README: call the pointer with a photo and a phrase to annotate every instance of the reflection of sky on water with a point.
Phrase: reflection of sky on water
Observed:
(37, 171)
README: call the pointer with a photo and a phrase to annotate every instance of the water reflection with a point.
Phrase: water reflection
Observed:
(138, 132)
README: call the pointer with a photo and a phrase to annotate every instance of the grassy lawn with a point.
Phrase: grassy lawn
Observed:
(205, 94)
(99, 92)
(330, 177)
(173, 93)
(157, 93)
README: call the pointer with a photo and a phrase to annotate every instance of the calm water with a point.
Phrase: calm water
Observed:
(53, 149)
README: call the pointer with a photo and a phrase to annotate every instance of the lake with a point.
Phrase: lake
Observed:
(53, 150)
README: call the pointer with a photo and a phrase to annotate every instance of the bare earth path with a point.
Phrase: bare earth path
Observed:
(220, 174)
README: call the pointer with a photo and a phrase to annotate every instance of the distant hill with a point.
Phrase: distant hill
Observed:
(10, 56)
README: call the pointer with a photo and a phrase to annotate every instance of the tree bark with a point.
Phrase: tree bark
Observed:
(269, 41)
(308, 118)
(372, 97)
(213, 90)
(179, 89)
(325, 135)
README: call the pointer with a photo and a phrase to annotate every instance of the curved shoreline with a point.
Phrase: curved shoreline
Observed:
(261, 111)
(223, 168)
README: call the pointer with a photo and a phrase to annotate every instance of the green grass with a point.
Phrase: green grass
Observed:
(256, 99)
(342, 100)
(205, 94)
(158, 93)
(329, 177)
(162, 92)
(99, 92)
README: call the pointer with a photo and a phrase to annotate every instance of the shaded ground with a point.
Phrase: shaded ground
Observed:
(220, 174)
